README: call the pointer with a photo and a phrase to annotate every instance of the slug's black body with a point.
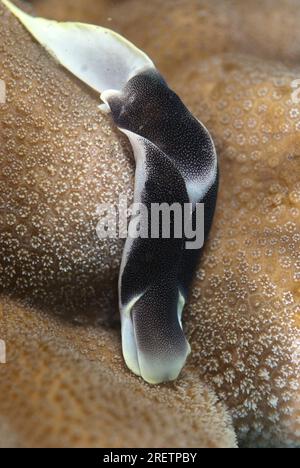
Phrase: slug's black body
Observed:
(177, 158)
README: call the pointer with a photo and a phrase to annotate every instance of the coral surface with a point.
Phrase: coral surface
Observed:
(59, 158)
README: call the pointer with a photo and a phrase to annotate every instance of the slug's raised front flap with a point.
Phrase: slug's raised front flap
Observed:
(98, 56)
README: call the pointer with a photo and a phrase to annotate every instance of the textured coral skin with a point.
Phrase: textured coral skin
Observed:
(59, 159)
(243, 318)
(244, 312)
(68, 387)
(191, 29)
(65, 385)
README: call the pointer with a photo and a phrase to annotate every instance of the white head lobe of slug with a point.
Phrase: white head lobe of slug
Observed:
(101, 58)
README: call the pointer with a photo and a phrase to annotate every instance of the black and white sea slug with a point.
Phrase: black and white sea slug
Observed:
(176, 163)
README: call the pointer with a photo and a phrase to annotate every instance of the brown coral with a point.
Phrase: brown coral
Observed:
(67, 386)
(59, 159)
(243, 317)
(244, 312)
(192, 30)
